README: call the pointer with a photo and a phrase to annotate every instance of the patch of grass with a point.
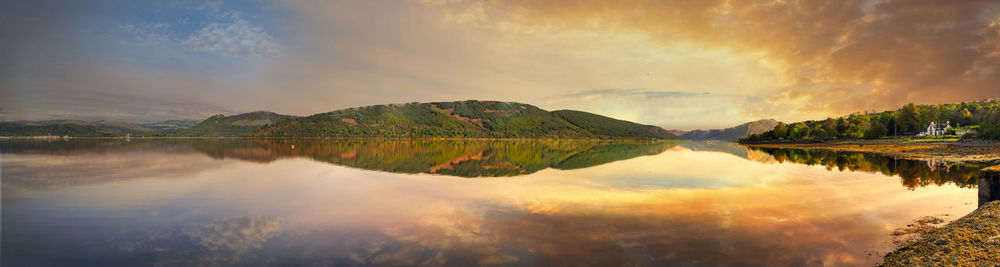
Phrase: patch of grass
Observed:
(946, 138)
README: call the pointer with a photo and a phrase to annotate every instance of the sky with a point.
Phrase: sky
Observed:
(679, 64)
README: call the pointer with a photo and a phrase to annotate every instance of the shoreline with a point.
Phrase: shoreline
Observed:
(973, 239)
(963, 151)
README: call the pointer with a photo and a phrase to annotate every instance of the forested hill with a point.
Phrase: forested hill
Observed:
(236, 125)
(982, 117)
(472, 118)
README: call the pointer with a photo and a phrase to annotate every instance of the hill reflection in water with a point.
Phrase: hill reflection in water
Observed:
(462, 158)
(189, 202)
(468, 158)
(482, 158)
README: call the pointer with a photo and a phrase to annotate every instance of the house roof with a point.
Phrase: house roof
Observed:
(939, 126)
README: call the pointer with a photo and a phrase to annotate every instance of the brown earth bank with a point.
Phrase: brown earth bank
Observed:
(909, 149)
(973, 240)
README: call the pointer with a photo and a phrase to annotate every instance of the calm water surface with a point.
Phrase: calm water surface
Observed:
(183, 202)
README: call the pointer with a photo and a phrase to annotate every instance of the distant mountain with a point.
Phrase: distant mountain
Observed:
(236, 125)
(218, 125)
(72, 128)
(732, 133)
(472, 118)
(678, 132)
(170, 124)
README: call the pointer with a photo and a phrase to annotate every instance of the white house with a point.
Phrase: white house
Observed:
(935, 129)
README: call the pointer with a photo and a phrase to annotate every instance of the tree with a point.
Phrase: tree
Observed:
(876, 131)
(842, 126)
(817, 131)
(798, 130)
(909, 118)
(830, 126)
(989, 125)
(780, 130)
(964, 117)
(928, 114)
(855, 132)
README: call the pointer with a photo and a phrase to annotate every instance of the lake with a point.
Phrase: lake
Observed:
(182, 202)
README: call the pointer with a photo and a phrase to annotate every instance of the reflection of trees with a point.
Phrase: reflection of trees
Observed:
(913, 173)
(76, 162)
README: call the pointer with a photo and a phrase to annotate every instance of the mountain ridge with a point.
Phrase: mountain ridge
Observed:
(233, 126)
(456, 119)
(461, 119)
(732, 133)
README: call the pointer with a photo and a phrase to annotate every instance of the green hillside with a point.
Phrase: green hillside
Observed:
(604, 126)
(236, 125)
(475, 119)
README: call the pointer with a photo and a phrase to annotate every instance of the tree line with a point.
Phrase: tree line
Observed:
(983, 115)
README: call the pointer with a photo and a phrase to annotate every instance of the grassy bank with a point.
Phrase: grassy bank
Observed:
(922, 149)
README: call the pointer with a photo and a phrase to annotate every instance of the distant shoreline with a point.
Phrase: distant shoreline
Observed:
(963, 151)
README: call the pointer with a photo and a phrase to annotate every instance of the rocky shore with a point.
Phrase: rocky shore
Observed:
(973, 240)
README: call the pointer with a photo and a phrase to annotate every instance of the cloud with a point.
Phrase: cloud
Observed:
(821, 93)
(237, 38)
(239, 235)
(213, 6)
(343, 57)
(632, 92)
(225, 33)
(147, 34)
(672, 109)
(231, 14)
(791, 60)
(83, 61)
(922, 51)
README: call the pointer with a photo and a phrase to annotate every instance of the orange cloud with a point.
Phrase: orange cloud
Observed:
(920, 51)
